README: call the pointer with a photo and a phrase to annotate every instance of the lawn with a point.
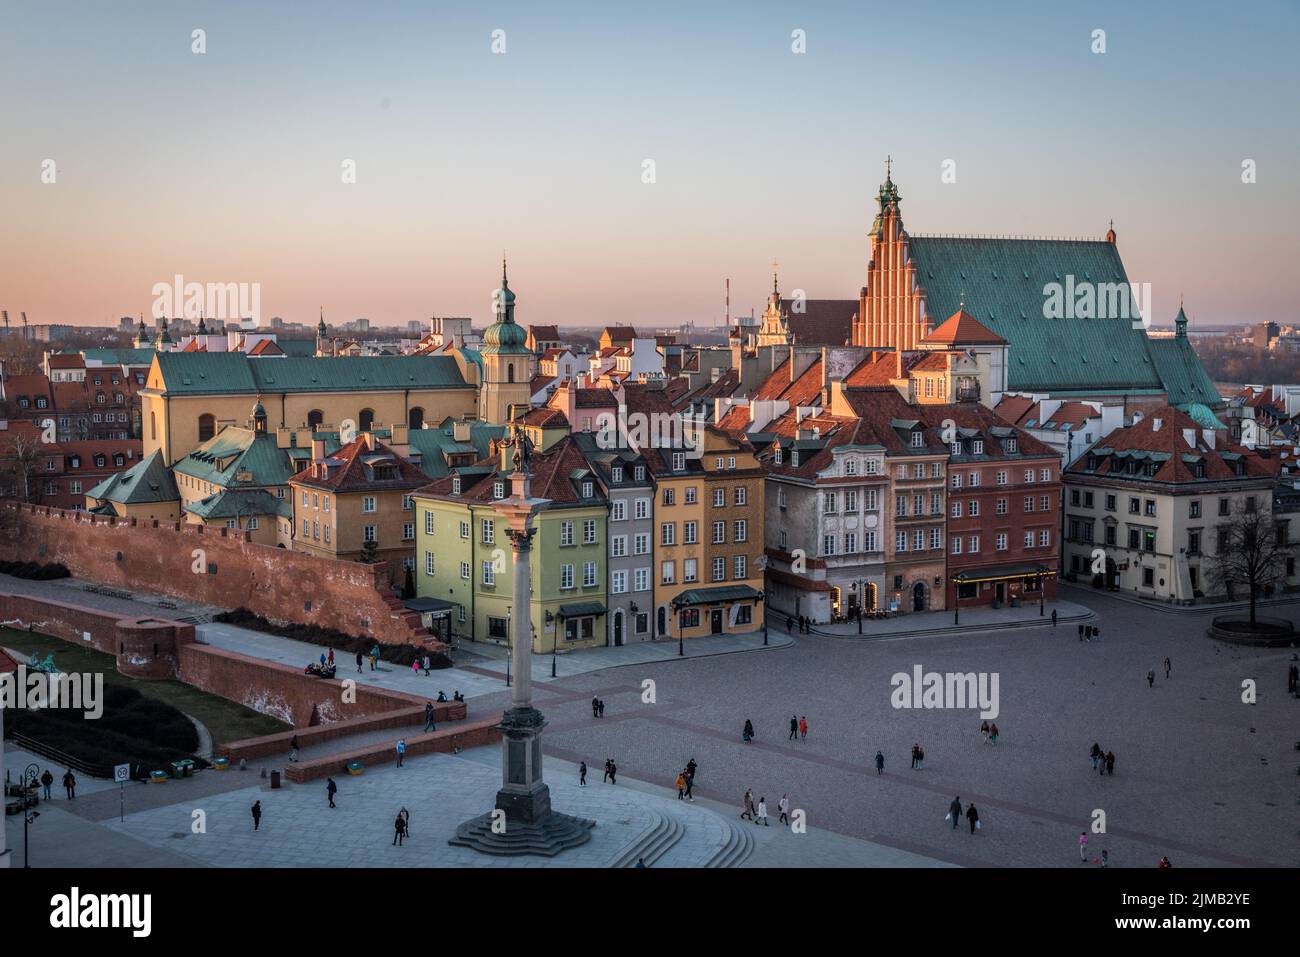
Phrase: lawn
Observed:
(226, 720)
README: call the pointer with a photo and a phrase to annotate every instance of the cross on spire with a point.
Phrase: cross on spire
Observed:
(776, 266)
(889, 161)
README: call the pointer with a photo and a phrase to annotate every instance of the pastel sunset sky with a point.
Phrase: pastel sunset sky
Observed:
(226, 166)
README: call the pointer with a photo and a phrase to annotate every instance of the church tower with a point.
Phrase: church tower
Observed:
(506, 359)
(164, 343)
(142, 340)
(775, 328)
(322, 334)
(891, 307)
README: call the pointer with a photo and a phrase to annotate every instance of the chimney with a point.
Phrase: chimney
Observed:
(317, 450)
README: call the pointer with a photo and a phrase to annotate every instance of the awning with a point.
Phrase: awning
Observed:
(582, 609)
(970, 575)
(716, 596)
(425, 605)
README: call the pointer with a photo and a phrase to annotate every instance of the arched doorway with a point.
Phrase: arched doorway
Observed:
(618, 627)
(918, 597)
(365, 420)
(662, 622)
(314, 418)
(415, 418)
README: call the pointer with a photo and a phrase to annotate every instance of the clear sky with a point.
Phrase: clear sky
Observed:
(226, 166)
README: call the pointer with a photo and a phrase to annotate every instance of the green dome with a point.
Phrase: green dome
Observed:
(505, 335)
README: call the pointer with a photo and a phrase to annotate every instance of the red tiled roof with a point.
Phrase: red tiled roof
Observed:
(596, 399)
(1016, 408)
(1074, 414)
(66, 360)
(552, 472)
(544, 333)
(266, 347)
(539, 382)
(963, 329)
(823, 322)
(352, 475)
(546, 417)
(620, 333)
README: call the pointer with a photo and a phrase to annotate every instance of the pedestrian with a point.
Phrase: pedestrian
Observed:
(691, 767)
(401, 750)
(46, 780)
(973, 816)
(640, 862)
(794, 727)
(322, 660)
(1053, 617)
(428, 662)
(916, 749)
(608, 762)
(1169, 665)
(762, 812)
(1151, 678)
(601, 707)
(1164, 863)
(1105, 858)
(1095, 754)
(360, 656)
(1081, 632)
(595, 707)
(428, 717)
(1083, 846)
(747, 806)
(993, 733)
(1096, 632)
(330, 790)
(984, 731)
(582, 774)
(257, 814)
(920, 759)
(803, 727)
(690, 784)
(954, 812)
(1110, 763)
(789, 623)
(70, 784)
(399, 829)
(406, 821)
(748, 732)
(880, 763)
(331, 658)
(415, 667)
(681, 786)
(783, 806)
(293, 748)
(613, 772)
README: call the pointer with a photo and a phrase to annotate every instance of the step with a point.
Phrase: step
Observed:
(738, 848)
(665, 831)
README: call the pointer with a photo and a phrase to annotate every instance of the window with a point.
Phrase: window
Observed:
(325, 500)
(498, 489)
(1134, 506)
(1029, 476)
(679, 461)
(919, 470)
(1150, 507)
(918, 439)
(1000, 543)
(780, 498)
(1002, 478)
(230, 523)
(618, 546)
(900, 541)
(1044, 503)
(1044, 475)
(566, 534)
(777, 454)
(850, 467)
(719, 569)
(641, 544)
(936, 538)
(407, 503)
(588, 574)
(689, 497)
(667, 573)
(690, 533)
(408, 532)
(1194, 542)
(689, 570)
(719, 497)
(731, 461)
(428, 563)
(588, 531)
(978, 446)
(739, 567)
(455, 485)
(464, 530)
(851, 500)
(488, 530)
(638, 473)
(642, 508)
(464, 570)
(1012, 444)
(956, 509)
(829, 501)
(973, 507)
(956, 480)
(670, 496)
(1194, 508)
(618, 511)
(566, 576)
(739, 495)
(719, 533)
(918, 539)
(850, 542)
(900, 505)
(618, 582)
(367, 533)
(1029, 539)
(956, 545)
(367, 503)
(973, 544)
(974, 479)
(616, 474)
(1148, 577)
(828, 544)
(869, 541)
(489, 574)
(641, 579)
(1029, 503)
(428, 523)
(668, 534)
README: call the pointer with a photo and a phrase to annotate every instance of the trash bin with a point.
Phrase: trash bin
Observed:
(275, 779)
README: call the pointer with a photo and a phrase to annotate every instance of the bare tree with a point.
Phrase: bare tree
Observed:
(1253, 549)
(20, 461)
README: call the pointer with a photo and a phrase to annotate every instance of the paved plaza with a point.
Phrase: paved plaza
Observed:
(1200, 776)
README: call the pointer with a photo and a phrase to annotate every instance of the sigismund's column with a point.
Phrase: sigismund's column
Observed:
(523, 821)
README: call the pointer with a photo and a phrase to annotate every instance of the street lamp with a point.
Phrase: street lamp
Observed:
(681, 632)
(509, 650)
(765, 600)
(956, 601)
(555, 626)
(28, 782)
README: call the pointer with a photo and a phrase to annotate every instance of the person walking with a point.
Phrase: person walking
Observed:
(993, 733)
(399, 829)
(691, 768)
(582, 774)
(293, 748)
(762, 812)
(973, 816)
(747, 806)
(803, 727)
(880, 763)
(1083, 846)
(916, 749)
(427, 663)
(601, 707)
(613, 772)
(681, 786)
(1151, 678)
(415, 667)
(783, 806)
(794, 727)
(1053, 617)
(1105, 858)
(331, 658)
(954, 812)
(256, 811)
(789, 623)
(330, 790)
(690, 783)
(1081, 632)
(748, 732)
(374, 657)
(1169, 666)
(46, 780)
(401, 750)
(1095, 754)
(70, 784)
(428, 717)
(406, 821)
(360, 658)
(608, 762)
(984, 731)
(920, 758)
(595, 707)
(1110, 763)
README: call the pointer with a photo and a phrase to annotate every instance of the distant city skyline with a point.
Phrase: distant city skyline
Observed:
(228, 166)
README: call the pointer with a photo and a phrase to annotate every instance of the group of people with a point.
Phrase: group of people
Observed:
(686, 781)
(1103, 762)
(401, 826)
(918, 758)
(426, 661)
(1151, 675)
(69, 783)
(798, 728)
(372, 654)
(1088, 632)
(803, 621)
(757, 812)
(1104, 860)
(955, 815)
(597, 707)
(989, 732)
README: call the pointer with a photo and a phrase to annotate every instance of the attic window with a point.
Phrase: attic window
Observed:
(978, 446)
(455, 485)
(794, 457)
(918, 439)
(498, 488)
(1012, 445)
(777, 454)
(587, 489)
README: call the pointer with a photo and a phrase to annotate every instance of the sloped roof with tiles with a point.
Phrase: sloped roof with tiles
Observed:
(435, 444)
(963, 329)
(1017, 409)
(148, 481)
(823, 322)
(359, 467)
(226, 373)
(1185, 379)
(557, 475)
(234, 451)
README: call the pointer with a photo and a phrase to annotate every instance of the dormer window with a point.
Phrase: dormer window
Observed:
(100, 461)
(498, 489)
(455, 485)
(850, 466)
(617, 473)
(794, 457)
(587, 489)
(679, 461)
(1092, 463)
(639, 473)
(76, 461)
(918, 439)
(979, 447)
(956, 448)
(777, 455)
(1011, 444)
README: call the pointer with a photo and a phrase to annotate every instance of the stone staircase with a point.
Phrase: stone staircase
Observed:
(740, 844)
(666, 833)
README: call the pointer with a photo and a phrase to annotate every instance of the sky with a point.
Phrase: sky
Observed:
(228, 165)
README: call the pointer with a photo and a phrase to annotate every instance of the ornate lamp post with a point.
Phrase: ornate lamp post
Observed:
(522, 821)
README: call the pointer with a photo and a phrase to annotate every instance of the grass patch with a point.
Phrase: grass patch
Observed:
(227, 720)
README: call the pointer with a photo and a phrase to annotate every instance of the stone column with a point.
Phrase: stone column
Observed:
(4, 852)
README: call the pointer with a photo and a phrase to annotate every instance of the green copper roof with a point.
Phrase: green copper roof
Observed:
(1003, 281)
(239, 450)
(147, 481)
(1203, 415)
(433, 443)
(119, 357)
(723, 593)
(240, 504)
(203, 373)
(1180, 369)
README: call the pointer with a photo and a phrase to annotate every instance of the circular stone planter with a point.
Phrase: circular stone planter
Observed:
(1267, 633)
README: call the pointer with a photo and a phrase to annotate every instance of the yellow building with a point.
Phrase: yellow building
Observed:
(146, 492)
